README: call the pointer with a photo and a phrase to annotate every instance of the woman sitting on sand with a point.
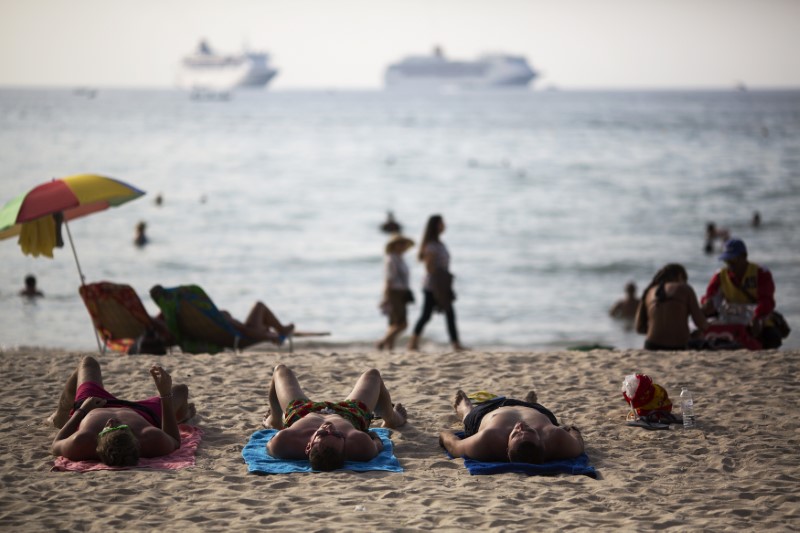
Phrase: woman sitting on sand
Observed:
(664, 310)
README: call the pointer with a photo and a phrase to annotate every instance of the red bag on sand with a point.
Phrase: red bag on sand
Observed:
(646, 397)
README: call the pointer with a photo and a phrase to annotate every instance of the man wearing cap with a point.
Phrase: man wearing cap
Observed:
(741, 288)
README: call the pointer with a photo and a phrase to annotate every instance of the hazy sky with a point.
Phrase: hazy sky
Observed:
(348, 43)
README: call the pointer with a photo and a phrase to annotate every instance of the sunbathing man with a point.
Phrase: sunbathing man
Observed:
(96, 425)
(504, 429)
(328, 433)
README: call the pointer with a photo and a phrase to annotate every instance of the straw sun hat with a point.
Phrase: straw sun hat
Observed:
(397, 240)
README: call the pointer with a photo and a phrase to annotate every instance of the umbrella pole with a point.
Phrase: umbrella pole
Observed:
(83, 281)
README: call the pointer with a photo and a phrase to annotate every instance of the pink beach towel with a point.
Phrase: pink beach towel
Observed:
(183, 457)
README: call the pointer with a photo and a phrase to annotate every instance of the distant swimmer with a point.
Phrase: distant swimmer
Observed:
(714, 234)
(756, 221)
(391, 225)
(141, 237)
(30, 290)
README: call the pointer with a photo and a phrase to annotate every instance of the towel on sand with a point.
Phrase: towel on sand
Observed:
(183, 457)
(576, 465)
(260, 462)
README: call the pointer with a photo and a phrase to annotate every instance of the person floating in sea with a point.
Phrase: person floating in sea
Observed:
(714, 234)
(141, 237)
(391, 225)
(625, 308)
(30, 290)
(505, 429)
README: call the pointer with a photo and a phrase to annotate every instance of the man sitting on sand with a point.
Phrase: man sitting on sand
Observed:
(504, 429)
(96, 425)
(328, 433)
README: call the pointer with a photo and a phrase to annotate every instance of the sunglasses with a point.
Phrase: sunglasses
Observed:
(111, 429)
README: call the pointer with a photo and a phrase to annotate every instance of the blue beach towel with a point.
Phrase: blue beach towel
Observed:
(577, 465)
(260, 462)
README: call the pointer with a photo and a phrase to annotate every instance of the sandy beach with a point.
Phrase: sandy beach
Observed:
(739, 470)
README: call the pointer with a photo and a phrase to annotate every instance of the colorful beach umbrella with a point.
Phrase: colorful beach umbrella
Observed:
(36, 215)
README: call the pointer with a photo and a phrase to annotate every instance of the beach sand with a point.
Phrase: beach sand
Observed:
(739, 470)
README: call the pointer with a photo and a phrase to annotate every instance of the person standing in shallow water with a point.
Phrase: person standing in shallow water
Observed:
(438, 283)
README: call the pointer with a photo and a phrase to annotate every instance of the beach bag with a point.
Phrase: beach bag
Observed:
(148, 343)
(780, 324)
(648, 399)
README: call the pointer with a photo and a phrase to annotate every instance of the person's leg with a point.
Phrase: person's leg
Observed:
(452, 330)
(87, 370)
(283, 389)
(372, 392)
(261, 316)
(427, 311)
(180, 401)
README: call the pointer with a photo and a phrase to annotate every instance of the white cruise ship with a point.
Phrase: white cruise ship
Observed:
(436, 72)
(205, 70)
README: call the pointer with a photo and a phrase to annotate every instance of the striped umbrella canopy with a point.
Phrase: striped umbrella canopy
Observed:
(36, 215)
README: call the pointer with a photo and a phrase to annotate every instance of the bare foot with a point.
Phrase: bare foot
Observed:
(458, 347)
(462, 404)
(269, 423)
(59, 417)
(399, 417)
(531, 397)
(191, 411)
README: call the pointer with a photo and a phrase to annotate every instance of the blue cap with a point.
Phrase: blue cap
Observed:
(733, 249)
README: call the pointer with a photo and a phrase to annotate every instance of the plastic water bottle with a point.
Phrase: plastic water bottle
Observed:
(687, 408)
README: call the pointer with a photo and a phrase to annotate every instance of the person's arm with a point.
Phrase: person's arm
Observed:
(695, 312)
(285, 445)
(363, 446)
(568, 443)
(169, 424)
(707, 301)
(483, 446)
(766, 295)
(641, 317)
(71, 443)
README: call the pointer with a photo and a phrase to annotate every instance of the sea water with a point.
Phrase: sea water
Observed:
(552, 200)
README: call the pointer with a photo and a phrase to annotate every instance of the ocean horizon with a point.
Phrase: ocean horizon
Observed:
(553, 200)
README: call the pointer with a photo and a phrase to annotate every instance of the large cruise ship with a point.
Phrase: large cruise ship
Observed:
(208, 71)
(436, 72)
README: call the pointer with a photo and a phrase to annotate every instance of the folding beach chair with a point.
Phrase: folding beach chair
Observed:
(117, 314)
(193, 319)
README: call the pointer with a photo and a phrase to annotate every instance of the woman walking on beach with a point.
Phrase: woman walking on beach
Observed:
(438, 284)
(397, 293)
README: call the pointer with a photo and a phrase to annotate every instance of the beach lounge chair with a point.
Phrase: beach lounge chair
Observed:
(117, 314)
(195, 322)
(199, 327)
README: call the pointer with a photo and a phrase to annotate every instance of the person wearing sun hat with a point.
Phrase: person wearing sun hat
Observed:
(745, 292)
(397, 292)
